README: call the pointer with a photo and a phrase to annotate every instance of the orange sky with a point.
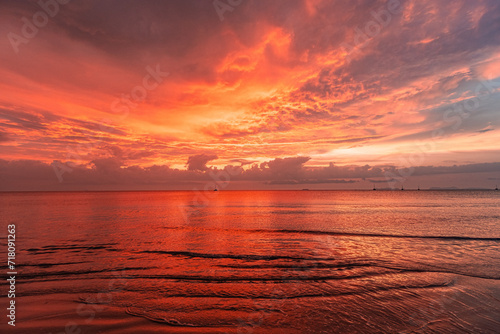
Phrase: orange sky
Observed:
(380, 83)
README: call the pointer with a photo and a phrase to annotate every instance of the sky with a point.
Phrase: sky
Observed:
(249, 94)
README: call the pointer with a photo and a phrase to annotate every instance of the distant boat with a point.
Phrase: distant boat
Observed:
(402, 188)
(496, 188)
(215, 189)
(374, 187)
(305, 189)
(418, 187)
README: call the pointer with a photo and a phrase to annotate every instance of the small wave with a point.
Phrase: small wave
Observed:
(165, 321)
(48, 265)
(342, 266)
(79, 272)
(233, 256)
(275, 278)
(204, 313)
(377, 235)
(74, 247)
(339, 233)
(320, 294)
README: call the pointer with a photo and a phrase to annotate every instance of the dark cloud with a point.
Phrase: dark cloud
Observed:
(458, 169)
(22, 120)
(381, 180)
(243, 162)
(4, 137)
(485, 130)
(109, 173)
(199, 162)
(340, 181)
(96, 127)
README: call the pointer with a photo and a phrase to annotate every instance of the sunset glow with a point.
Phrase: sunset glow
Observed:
(388, 84)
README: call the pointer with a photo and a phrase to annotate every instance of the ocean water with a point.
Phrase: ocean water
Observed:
(255, 261)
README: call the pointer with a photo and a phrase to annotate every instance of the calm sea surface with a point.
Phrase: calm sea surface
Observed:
(255, 261)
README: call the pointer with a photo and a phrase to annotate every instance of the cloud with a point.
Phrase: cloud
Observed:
(22, 120)
(111, 173)
(271, 80)
(458, 169)
(485, 130)
(4, 137)
(243, 162)
(340, 181)
(199, 162)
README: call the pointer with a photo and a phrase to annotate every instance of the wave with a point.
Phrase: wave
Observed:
(48, 265)
(232, 256)
(171, 322)
(307, 263)
(323, 294)
(73, 247)
(377, 235)
(343, 266)
(340, 233)
(220, 279)
(166, 317)
(398, 236)
(341, 272)
(79, 272)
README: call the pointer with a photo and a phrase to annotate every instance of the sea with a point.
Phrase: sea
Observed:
(252, 261)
